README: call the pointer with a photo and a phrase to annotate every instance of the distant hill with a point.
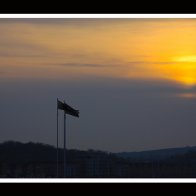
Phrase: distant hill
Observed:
(17, 152)
(155, 155)
(39, 160)
(36, 160)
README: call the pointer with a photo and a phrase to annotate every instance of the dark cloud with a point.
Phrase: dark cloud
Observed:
(72, 22)
(112, 64)
(17, 48)
(88, 21)
(69, 21)
(86, 65)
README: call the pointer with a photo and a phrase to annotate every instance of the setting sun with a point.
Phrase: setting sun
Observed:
(189, 59)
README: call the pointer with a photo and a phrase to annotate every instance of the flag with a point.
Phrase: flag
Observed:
(68, 109)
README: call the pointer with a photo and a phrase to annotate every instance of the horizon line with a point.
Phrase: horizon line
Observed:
(106, 151)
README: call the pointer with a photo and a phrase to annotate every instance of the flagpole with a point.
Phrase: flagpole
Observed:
(57, 144)
(65, 173)
(67, 110)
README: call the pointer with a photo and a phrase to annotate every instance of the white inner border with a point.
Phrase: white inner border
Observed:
(93, 180)
(97, 15)
(120, 180)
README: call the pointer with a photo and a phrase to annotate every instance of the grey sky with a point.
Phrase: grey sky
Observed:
(115, 115)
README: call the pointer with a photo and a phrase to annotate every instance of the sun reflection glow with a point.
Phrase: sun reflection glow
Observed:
(187, 95)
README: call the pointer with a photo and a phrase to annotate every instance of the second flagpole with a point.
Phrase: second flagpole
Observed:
(57, 143)
(65, 173)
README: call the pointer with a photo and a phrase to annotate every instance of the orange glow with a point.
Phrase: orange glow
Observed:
(184, 73)
(155, 49)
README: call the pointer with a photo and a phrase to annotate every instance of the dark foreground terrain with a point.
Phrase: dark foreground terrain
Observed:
(35, 160)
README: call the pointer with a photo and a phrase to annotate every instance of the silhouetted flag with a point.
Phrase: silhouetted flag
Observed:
(68, 109)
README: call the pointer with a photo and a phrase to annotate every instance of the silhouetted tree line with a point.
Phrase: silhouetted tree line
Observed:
(36, 160)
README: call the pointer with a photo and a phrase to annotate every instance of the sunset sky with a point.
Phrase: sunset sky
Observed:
(133, 80)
